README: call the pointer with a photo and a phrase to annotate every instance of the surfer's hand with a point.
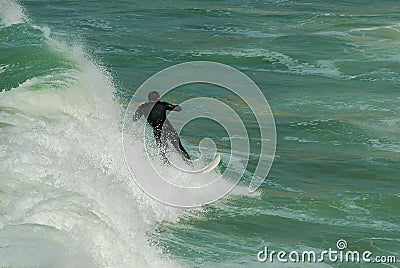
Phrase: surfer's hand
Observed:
(143, 102)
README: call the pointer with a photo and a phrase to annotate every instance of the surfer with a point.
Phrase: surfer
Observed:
(155, 112)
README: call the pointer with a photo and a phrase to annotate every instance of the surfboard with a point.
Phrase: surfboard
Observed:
(213, 164)
(206, 169)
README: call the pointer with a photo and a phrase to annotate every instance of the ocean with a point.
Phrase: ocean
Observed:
(330, 71)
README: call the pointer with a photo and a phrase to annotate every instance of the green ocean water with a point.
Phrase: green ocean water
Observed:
(330, 71)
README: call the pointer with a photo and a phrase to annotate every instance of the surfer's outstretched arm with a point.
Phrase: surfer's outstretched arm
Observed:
(173, 107)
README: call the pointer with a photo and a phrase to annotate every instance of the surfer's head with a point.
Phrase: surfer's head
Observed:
(154, 96)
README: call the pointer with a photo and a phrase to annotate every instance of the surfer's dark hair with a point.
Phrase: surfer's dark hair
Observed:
(153, 96)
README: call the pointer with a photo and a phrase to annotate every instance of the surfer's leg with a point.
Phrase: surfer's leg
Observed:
(176, 142)
(183, 152)
(161, 144)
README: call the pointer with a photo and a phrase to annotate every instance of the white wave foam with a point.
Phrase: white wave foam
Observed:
(62, 169)
(377, 28)
(283, 62)
(3, 68)
(290, 138)
(11, 13)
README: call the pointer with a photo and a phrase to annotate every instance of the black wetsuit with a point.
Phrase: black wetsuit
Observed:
(156, 115)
